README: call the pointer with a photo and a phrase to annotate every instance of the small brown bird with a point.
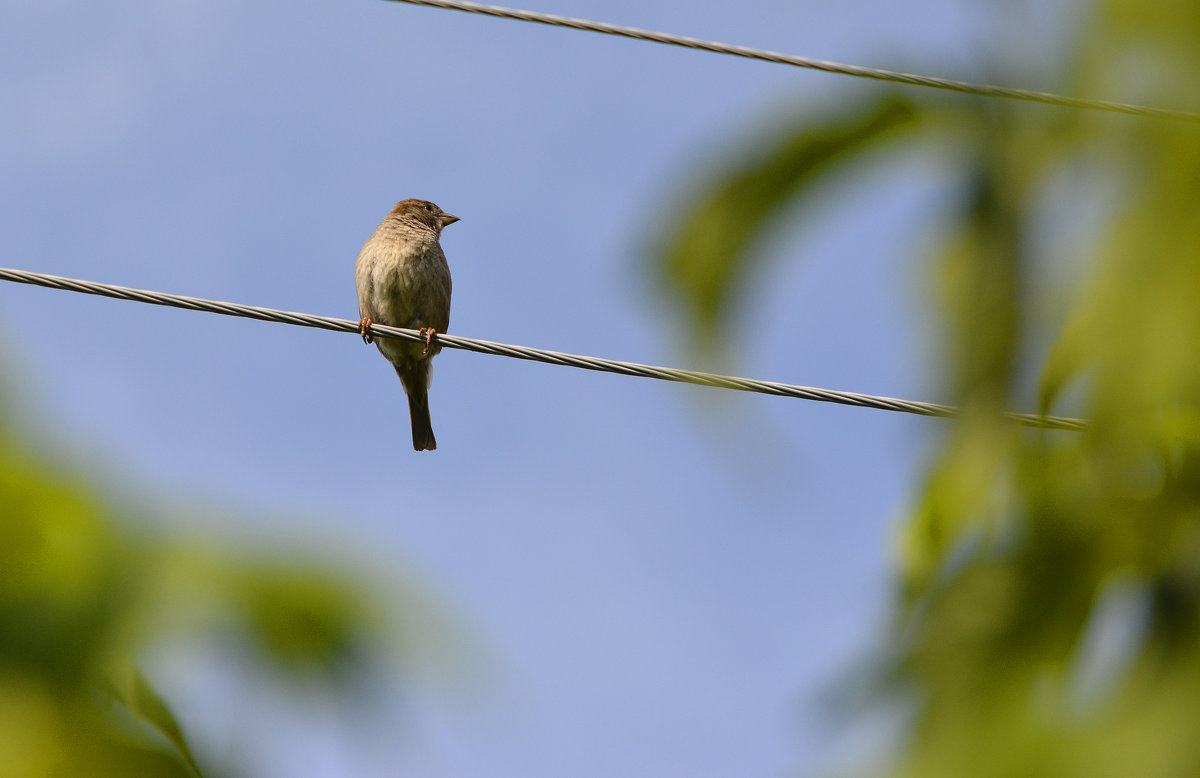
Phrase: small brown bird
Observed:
(403, 281)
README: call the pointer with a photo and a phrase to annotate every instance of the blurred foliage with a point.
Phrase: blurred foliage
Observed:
(1007, 642)
(706, 261)
(81, 592)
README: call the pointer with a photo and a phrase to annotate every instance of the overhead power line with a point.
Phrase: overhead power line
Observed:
(520, 352)
(966, 87)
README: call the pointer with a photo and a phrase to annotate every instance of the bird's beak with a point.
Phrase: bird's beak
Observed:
(448, 219)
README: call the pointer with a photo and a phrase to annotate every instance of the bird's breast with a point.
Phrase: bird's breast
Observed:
(404, 288)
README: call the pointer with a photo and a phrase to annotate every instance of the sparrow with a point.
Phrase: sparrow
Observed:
(403, 281)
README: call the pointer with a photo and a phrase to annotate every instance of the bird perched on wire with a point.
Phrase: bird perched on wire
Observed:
(403, 281)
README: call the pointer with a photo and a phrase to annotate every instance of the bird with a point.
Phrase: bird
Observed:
(403, 280)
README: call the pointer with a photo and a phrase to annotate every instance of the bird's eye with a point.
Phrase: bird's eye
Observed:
(428, 207)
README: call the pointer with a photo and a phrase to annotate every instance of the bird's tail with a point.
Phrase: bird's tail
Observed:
(422, 427)
(415, 377)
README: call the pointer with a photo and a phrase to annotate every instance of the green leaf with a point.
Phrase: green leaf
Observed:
(301, 618)
(132, 690)
(706, 258)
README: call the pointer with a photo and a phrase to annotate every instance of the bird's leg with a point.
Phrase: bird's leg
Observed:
(429, 333)
(364, 327)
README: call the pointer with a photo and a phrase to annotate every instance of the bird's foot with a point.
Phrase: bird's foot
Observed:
(429, 333)
(364, 329)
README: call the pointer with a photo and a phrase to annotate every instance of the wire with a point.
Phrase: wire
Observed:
(521, 352)
(982, 90)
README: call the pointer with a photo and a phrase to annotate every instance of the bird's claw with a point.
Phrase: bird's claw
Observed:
(364, 329)
(428, 333)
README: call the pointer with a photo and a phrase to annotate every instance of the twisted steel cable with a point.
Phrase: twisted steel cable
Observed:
(521, 352)
(966, 87)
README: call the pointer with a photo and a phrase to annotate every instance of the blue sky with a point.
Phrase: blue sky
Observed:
(653, 579)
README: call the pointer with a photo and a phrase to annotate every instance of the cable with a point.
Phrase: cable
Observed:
(521, 352)
(982, 90)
